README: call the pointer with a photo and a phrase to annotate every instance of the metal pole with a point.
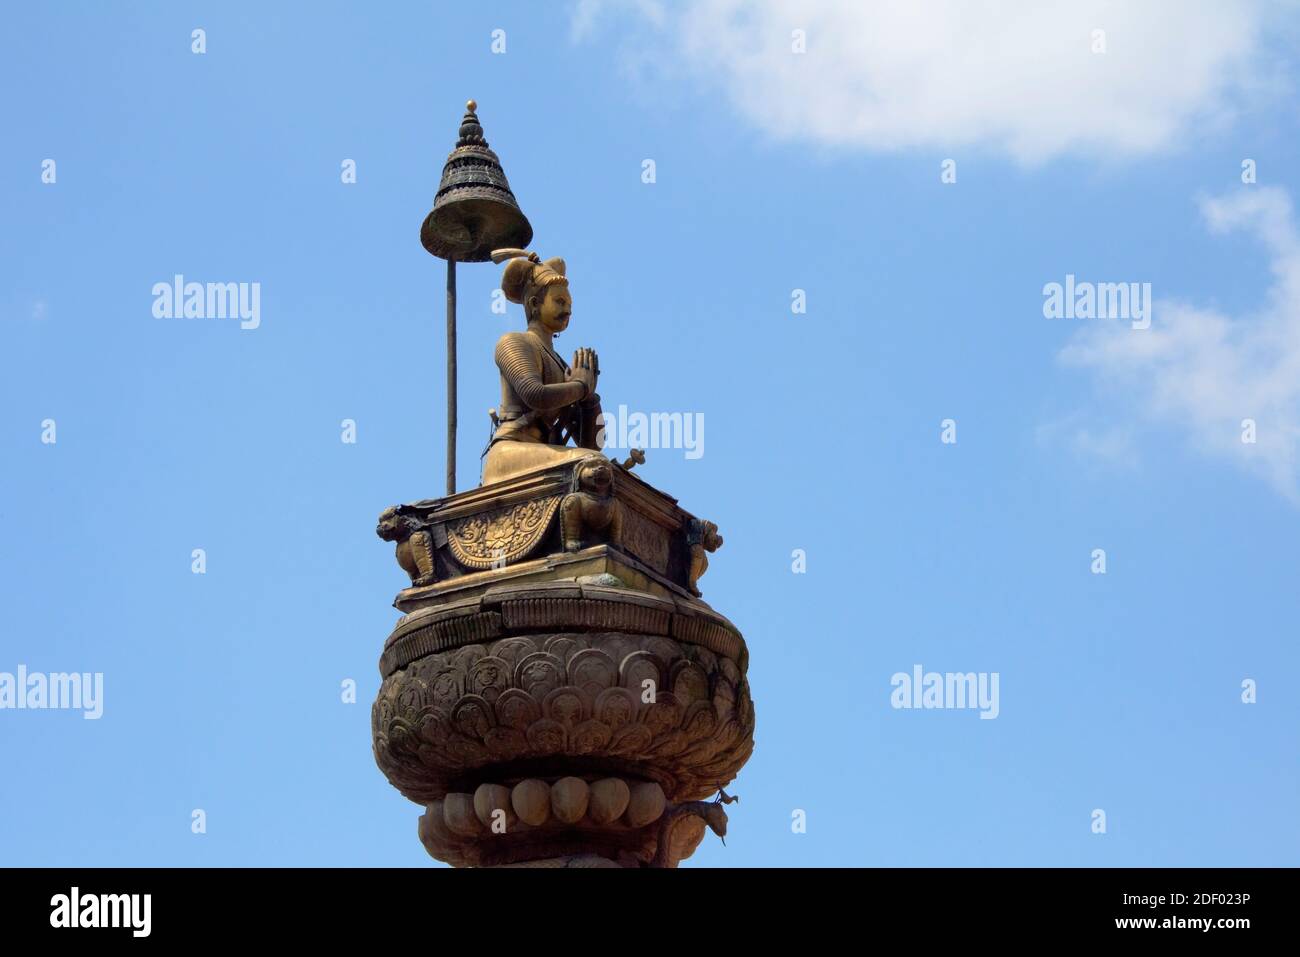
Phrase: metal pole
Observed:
(451, 377)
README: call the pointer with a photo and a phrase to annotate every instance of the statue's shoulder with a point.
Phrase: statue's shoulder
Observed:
(515, 339)
(516, 343)
(517, 351)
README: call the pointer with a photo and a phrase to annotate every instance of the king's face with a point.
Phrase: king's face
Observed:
(556, 308)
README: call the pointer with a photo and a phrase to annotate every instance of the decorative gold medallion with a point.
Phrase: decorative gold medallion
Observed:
(498, 538)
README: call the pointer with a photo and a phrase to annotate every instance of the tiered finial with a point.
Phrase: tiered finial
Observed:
(474, 211)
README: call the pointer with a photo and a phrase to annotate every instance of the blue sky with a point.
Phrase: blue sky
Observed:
(775, 171)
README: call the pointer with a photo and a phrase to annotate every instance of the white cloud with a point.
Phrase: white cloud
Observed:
(1111, 446)
(1203, 371)
(587, 14)
(937, 74)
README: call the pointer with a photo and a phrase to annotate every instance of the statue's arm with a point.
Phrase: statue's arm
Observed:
(517, 364)
(589, 413)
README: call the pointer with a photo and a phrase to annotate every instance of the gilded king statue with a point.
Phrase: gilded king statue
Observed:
(545, 403)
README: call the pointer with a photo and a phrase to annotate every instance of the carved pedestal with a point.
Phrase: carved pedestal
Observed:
(564, 708)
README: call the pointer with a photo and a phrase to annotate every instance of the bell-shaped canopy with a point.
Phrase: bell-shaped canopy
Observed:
(474, 211)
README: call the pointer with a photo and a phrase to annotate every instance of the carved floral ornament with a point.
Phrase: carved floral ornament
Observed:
(671, 712)
(502, 536)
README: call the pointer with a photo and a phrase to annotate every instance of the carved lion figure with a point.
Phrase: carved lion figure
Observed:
(414, 544)
(704, 538)
(591, 507)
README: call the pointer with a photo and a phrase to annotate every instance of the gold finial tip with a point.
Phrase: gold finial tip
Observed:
(471, 105)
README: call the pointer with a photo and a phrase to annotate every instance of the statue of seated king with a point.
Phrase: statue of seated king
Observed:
(546, 404)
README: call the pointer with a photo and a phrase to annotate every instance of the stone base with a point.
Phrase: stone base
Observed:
(589, 563)
(538, 823)
(559, 707)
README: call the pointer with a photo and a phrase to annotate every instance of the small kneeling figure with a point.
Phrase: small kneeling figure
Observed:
(703, 538)
(591, 507)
